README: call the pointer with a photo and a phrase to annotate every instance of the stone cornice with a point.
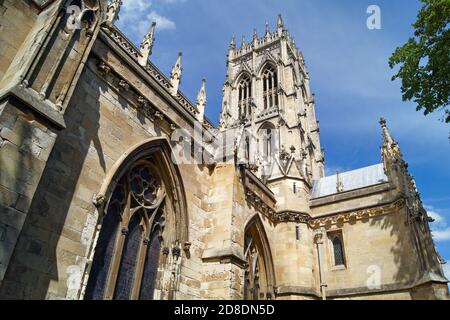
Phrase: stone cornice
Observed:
(354, 215)
(284, 290)
(291, 216)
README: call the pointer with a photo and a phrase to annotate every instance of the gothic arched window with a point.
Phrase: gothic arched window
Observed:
(258, 281)
(270, 87)
(245, 95)
(128, 249)
(268, 141)
(338, 251)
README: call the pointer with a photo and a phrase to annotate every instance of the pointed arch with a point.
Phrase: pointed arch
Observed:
(269, 78)
(141, 207)
(268, 140)
(244, 88)
(265, 64)
(161, 148)
(243, 74)
(259, 278)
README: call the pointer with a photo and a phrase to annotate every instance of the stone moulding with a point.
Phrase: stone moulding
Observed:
(255, 197)
(292, 216)
(357, 214)
(224, 255)
(257, 194)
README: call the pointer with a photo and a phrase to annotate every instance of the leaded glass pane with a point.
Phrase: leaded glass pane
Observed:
(105, 247)
(125, 279)
(151, 267)
(338, 252)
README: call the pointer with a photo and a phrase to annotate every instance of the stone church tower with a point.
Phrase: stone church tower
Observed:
(97, 200)
(268, 104)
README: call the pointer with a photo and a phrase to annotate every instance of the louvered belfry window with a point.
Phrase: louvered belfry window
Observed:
(245, 96)
(127, 254)
(270, 87)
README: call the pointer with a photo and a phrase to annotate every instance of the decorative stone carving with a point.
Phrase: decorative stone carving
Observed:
(357, 215)
(99, 200)
(187, 246)
(104, 68)
(142, 102)
(123, 85)
(176, 251)
(112, 11)
(292, 216)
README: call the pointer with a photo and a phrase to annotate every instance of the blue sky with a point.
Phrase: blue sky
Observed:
(349, 74)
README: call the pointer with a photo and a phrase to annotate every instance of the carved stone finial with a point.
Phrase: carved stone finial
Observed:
(112, 11)
(201, 101)
(339, 183)
(233, 43)
(175, 75)
(267, 29)
(255, 34)
(280, 24)
(243, 41)
(147, 45)
(388, 142)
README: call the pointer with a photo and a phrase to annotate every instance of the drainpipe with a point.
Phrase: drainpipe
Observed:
(318, 239)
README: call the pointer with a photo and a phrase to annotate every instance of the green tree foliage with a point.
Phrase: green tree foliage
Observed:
(425, 60)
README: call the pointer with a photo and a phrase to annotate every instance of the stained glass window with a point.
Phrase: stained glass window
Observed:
(130, 239)
(127, 269)
(151, 267)
(105, 246)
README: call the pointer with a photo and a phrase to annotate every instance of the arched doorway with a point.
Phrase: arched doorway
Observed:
(143, 219)
(259, 275)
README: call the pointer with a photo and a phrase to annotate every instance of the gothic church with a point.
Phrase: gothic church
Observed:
(113, 185)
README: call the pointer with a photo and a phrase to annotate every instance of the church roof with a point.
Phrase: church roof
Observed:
(350, 180)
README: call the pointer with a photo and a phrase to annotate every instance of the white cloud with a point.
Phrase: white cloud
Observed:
(439, 228)
(136, 6)
(439, 220)
(441, 235)
(136, 16)
(162, 23)
(172, 1)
